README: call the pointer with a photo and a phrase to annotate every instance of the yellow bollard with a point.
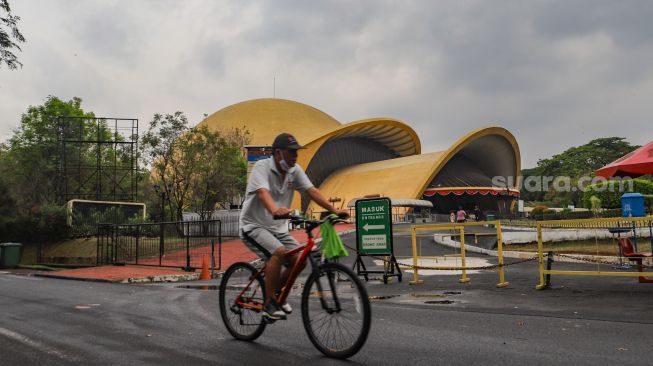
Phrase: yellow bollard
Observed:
(464, 278)
(540, 255)
(502, 277)
(416, 280)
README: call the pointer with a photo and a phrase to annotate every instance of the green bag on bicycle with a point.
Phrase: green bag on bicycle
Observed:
(332, 246)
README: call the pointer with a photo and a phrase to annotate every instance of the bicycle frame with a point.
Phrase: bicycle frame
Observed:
(305, 251)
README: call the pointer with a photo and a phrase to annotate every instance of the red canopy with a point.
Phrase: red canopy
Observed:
(459, 191)
(634, 164)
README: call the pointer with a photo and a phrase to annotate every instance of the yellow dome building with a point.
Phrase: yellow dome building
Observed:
(382, 156)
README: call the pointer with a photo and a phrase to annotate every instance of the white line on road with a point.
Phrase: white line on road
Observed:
(34, 344)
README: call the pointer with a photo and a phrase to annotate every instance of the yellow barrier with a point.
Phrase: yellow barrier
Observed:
(602, 223)
(461, 229)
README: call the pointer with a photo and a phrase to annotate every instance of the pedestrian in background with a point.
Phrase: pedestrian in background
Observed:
(461, 215)
(478, 215)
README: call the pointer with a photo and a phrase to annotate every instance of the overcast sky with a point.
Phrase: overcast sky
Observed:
(555, 73)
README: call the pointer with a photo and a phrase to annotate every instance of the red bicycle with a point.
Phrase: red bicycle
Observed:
(335, 308)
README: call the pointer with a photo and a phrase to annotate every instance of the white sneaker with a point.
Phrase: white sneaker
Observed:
(273, 313)
(286, 308)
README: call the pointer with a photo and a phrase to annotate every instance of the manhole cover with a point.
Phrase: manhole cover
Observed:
(439, 302)
(200, 287)
(384, 297)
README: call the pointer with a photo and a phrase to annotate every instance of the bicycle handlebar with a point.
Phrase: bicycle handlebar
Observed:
(296, 219)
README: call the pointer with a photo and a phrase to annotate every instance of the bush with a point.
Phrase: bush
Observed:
(538, 210)
(84, 223)
(609, 192)
(48, 224)
(595, 204)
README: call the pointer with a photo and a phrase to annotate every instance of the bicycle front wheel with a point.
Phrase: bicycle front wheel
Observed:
(240, 295)
(336, 311)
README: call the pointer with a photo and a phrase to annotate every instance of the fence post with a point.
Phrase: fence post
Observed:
(219, 245)
(188, 267)
(161, 241)
(540, 257)
(502, 276)
(416, 279)
(549, 262)
(114, 247)
(138, 236)
(212, 256)
(463, 278)
(97, 248)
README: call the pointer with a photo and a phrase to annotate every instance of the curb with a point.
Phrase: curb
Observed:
(146, 279)
(74, 278)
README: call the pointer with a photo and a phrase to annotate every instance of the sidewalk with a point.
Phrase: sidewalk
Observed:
(232, 251)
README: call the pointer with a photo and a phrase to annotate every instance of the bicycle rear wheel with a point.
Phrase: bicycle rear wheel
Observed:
(336, 311)
(242, 322)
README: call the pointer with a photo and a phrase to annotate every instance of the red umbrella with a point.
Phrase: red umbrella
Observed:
(634, 164)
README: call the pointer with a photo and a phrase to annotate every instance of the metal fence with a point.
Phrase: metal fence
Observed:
(228, 218)
(183, 244)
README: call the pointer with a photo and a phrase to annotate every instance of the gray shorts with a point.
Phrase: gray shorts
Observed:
(264, 242)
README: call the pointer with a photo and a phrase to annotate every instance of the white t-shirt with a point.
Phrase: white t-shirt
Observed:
(265, 175)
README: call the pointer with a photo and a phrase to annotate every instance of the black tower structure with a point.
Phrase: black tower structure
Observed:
(97, 158)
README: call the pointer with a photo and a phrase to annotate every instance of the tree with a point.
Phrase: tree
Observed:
(194, 167)
(157, 147)
(30, 158)
(609, 192)
(574, 163)
(220, 171)
(585, 159)
(10, 37)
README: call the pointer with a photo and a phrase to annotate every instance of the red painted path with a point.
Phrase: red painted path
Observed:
(232, 251)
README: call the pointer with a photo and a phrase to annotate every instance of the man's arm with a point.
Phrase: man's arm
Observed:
(319, 198)
(265, 197)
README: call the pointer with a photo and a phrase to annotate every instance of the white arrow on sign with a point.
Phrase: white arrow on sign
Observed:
(368, 227)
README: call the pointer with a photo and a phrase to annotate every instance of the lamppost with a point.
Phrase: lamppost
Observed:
(162, 195)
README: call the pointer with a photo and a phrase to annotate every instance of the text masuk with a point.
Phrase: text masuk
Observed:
(373, 209)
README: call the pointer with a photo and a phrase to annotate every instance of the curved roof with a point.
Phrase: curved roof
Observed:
(349, 145)
(493, 148)
(266, 118)
(409, 176)
(394, 135)
(394, 178)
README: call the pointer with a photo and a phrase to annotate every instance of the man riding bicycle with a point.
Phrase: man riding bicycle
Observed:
(269, 193)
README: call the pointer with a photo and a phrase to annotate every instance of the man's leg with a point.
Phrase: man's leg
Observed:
(286, 271)
(264, 244)
(272, 273)
(289, 243)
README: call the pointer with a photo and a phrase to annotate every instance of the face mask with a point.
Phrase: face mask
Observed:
(285, 167)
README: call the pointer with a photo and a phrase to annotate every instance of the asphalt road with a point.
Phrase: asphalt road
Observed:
(580, 321)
